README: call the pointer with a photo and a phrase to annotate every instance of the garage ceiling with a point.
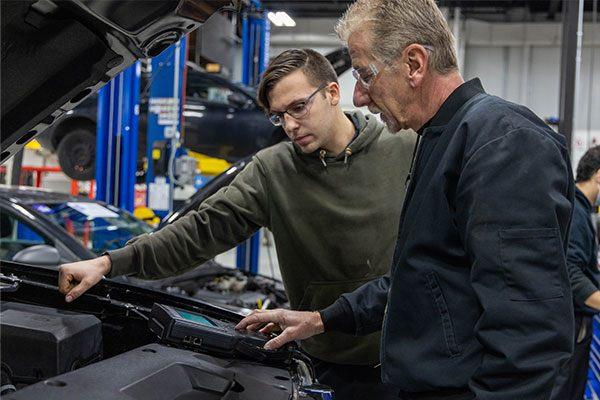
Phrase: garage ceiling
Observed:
(492, 10)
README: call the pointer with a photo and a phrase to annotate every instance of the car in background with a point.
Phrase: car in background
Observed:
(71, 228)
(221, 119)
(108, 343)
(43, 227)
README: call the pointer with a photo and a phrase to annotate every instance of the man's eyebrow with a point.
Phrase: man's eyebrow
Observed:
(287, 107)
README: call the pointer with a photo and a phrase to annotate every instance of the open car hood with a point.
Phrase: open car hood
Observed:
(56, 53)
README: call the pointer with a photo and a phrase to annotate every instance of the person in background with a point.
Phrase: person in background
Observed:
(582, 265)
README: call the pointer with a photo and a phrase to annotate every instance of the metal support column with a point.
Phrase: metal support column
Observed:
(255, 57)
(164, 123)
(117, 138)
(572, 14)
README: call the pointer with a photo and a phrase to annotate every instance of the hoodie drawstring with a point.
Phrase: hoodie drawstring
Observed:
(322, 154)
(347, 153)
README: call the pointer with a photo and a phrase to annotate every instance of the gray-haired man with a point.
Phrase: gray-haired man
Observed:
(478, 302)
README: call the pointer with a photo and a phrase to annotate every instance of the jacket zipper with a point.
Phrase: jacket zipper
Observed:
(408, 185)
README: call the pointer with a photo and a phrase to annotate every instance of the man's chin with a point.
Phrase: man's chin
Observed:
(309, 148)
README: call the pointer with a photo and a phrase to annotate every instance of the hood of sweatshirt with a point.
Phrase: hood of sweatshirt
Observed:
(369, 128)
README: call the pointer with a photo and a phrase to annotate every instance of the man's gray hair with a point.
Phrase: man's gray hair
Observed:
(395, 24)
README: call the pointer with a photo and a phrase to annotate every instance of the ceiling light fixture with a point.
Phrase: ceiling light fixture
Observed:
(281, 18)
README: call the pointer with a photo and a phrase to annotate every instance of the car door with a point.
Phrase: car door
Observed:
(18, 232)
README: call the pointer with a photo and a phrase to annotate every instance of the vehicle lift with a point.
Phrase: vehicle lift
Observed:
(118, 119)
(255, 58)
(117, 138)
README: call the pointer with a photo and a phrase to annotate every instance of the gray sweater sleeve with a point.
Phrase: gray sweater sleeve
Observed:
(222, 221)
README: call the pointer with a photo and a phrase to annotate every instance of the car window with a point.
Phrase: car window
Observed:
(98, 227)
(16, 235)
(205, 90)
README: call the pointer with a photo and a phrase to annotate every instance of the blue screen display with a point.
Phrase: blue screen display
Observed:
(199, 319)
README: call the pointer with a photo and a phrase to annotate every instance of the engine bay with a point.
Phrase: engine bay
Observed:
(218, 284)
(101, 346)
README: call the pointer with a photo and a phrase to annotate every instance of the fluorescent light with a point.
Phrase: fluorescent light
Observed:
(281, 18)
(275, 19)
(287, 20)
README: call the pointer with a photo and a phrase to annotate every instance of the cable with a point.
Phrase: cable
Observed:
(267, 233)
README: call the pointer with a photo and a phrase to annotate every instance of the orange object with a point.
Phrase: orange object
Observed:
(74, 188)
(39, 175)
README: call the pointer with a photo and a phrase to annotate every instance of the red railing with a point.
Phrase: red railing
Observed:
(40, 171)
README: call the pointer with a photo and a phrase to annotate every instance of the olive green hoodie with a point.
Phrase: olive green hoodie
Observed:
(334, 220)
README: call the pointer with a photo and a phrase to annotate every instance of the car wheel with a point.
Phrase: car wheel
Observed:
(77, 154)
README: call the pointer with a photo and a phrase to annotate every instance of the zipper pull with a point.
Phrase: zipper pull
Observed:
(322, 154)
(347, 153)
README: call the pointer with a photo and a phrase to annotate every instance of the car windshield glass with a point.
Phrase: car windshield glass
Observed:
(249, 90)
(98, 227)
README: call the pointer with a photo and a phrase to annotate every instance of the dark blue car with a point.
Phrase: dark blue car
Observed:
(222, 119)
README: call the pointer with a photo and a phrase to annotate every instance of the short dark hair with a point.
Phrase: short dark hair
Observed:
(315, 66)
(588, 165)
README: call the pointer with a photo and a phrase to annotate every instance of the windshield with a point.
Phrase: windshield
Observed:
(98, 227)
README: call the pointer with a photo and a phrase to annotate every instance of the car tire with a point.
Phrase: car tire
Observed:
(77, 154)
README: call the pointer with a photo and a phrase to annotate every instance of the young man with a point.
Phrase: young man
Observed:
(331, 197)
(478, 302)
(582, 265)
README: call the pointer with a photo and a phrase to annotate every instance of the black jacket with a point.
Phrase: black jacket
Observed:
(582, 254)
(478, 299)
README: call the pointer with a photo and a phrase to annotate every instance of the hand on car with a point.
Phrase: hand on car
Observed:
(294, 325)
(76, 278)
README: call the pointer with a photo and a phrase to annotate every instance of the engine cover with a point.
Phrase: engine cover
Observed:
(157, 372)
(40, 342)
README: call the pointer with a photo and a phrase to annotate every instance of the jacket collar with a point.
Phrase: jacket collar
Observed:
(585, 203)
(453, 103)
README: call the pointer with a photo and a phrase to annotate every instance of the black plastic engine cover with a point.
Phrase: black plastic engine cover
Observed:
(40, 342)
(157, 372)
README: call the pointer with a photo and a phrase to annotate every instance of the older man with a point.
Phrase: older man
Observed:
(478, 302)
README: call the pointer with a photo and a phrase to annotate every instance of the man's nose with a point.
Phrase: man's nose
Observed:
(290, 123)
(361, 96)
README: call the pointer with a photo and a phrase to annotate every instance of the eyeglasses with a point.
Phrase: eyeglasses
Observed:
(365, 76)
(296, 110)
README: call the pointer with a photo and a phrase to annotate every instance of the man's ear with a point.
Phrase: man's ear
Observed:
(416, 58)
(333, 92)
(596, 177)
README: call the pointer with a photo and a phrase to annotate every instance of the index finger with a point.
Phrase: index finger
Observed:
(64, 281)
(258, 318)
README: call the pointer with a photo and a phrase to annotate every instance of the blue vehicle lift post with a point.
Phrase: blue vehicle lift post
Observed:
(255, 57)
(117, 138)
(165, 107)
